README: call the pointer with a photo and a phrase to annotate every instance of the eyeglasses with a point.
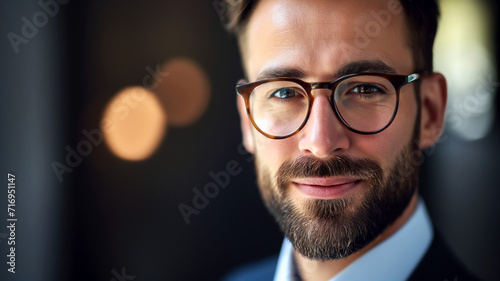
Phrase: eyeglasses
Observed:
(366, 103)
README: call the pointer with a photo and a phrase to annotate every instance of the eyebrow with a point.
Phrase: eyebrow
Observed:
(377, 66)
(281, 72)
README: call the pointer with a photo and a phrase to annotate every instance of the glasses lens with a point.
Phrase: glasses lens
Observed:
(366, 103)
(279, 108)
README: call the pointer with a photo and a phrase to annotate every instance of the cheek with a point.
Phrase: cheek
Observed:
(384, 147)
(272, 153)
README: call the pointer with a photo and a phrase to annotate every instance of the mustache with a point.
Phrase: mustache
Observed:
(310, 166)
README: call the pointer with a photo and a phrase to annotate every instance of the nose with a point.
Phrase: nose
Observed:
(323, 134)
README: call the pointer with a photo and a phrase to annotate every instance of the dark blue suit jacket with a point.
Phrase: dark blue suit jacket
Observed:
(439, 264)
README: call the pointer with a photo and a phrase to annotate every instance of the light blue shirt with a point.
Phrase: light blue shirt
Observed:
(393, 259)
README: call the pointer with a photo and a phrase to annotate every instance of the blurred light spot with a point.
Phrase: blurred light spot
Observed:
(185, 92)
(463, 52)
(135, 123)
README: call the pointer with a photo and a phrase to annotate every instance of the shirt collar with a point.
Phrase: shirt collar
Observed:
(393, 259)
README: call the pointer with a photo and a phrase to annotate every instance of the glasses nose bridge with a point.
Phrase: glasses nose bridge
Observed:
(322, 85)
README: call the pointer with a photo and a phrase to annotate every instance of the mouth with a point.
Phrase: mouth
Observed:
(326, 188)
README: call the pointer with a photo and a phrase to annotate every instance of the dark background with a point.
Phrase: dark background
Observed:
(110, 215)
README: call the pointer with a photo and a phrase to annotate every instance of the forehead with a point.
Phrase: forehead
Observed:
(319, 36)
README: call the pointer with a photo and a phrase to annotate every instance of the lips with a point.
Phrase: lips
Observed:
(326, 188)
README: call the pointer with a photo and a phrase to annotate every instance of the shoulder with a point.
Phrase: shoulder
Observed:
(262, 270)
(439, 263)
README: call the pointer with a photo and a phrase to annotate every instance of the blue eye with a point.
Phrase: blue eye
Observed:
(284, 93)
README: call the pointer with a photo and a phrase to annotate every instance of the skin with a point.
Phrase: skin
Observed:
(318, 38)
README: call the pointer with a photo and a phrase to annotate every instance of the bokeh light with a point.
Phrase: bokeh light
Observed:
(134, 123)
(464, 54)
(183, 89)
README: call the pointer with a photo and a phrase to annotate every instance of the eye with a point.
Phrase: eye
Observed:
(366, 89)
(284, 93)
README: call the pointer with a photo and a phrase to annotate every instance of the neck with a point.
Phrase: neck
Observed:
(325, 270)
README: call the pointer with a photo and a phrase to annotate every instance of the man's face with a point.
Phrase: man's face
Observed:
(332, 190)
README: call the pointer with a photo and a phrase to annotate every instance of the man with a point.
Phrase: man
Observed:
(338, 102)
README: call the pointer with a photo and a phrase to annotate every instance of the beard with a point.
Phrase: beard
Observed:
(321, 229)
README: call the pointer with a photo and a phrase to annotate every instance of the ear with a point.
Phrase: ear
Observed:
(433, 96)
(246, 126)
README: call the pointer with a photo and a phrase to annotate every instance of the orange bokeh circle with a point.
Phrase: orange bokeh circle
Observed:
(134, 123)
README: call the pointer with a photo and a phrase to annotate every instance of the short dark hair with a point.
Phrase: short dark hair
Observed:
(421, 16)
